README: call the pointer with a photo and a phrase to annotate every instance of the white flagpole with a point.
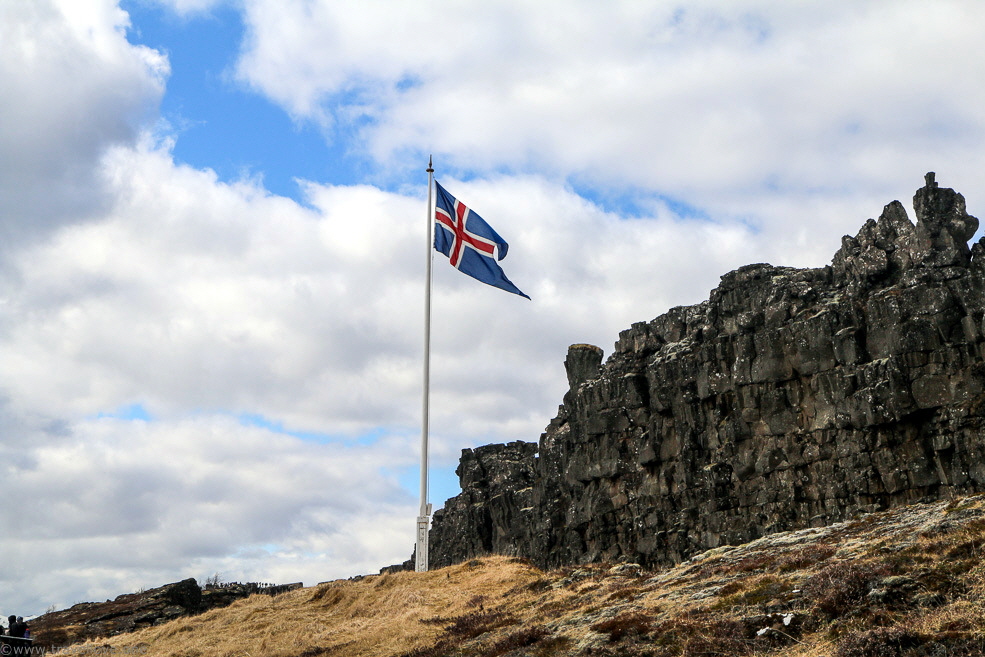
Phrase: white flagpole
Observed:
(423, 520)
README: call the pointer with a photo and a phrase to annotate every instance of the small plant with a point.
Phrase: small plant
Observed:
(702, 635)
(555, 646)
(471, 625)
(759, 590)
(620, 626)
(556, 608)
(524, 638)
(958, 505)
(735, 586)
(520, 560)
(476, 601)
(438, 649)
(840, 588)
(539, 586)
(806, 557)
(461, 628)
(627, 593)
(955, 647)
(880, 642)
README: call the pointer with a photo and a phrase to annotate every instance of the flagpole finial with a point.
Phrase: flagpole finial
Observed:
(430, 168)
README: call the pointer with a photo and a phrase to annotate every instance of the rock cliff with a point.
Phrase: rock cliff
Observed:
(790, 398)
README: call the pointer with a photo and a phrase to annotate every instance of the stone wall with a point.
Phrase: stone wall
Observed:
(789, 398)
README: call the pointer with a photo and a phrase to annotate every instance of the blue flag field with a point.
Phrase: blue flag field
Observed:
(472, 246)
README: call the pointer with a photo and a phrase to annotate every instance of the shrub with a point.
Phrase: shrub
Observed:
(537, 586)
(471, 625)
(756, 591)
(624, 593)
(438, 649)
(524, 638)
(521, 560)
(556, 646)
(691, 636)
(461, 628)
(622, 625)
(476, 601)
(880, 642)
(806, 557)
(841, 587)
(955, 647)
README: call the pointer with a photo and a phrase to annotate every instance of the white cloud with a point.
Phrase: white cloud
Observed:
(193, 294)
(241, 322)
(714, 103)
(73, 86)
(119, 503)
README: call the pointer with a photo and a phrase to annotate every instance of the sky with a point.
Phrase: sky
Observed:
(213, 232)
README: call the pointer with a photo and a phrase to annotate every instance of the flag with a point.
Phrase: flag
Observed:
(472, 246)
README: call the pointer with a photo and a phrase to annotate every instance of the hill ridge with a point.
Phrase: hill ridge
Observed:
(902, 583)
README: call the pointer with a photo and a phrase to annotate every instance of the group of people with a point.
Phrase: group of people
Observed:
(17, 627)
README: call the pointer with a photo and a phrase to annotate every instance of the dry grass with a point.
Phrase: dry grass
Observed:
(902, 584)
(378, 615)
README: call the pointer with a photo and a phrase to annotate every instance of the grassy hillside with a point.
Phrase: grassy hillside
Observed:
(896, 584)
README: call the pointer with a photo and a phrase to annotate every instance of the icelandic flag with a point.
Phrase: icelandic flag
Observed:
(472, 246)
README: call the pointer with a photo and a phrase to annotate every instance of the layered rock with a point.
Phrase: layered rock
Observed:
(494, 512)
(790, 398)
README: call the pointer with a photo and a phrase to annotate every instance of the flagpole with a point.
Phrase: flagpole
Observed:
(424, 519)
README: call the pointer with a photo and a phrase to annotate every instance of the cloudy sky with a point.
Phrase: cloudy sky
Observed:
(213, 232)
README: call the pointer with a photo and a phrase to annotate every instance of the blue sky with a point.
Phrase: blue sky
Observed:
(219, 122)
(212, 241)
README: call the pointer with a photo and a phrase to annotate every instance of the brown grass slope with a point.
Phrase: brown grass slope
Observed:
(905, 583)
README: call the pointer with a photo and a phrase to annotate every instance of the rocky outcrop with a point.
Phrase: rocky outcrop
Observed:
(790, 398)
(133, 611)
(494, 512)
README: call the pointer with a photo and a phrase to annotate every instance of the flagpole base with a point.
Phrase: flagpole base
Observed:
(421, 552)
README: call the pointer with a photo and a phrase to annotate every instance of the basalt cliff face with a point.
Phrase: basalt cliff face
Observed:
(790, 398)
